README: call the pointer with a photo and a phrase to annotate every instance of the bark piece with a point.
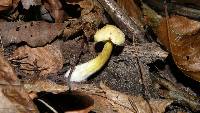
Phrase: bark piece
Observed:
(128, 25)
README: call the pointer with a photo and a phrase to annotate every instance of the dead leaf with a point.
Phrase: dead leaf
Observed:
(34, 33)
(182, 39)
(159, 106)
(136, 104)
(101, 105)
(6, 72)
(105, 99)
(14, 98)
(48, 59)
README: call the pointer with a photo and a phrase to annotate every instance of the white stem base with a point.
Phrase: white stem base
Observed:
(83, 71)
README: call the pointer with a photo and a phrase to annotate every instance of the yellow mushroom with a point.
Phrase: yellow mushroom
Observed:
(110, 34)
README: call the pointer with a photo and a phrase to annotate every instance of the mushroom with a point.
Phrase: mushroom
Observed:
(110, 34)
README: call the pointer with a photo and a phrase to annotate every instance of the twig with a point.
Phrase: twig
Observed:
(128, 25)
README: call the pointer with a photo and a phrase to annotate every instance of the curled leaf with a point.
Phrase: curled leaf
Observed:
(182, 37)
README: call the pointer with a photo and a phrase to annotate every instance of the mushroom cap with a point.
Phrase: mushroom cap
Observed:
(110, 32)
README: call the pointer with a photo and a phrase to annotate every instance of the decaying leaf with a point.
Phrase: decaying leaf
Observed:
(136, 104)
(159, 106)
(14, 99)
(34, 33)
(6, 72)
(181, 36)
(46, 59)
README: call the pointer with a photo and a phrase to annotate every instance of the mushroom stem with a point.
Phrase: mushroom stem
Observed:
(83, 71)
(109, 34)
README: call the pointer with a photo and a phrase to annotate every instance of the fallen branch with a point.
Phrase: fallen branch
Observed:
(128, 25)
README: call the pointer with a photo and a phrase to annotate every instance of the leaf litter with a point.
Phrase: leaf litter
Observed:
(41, 50)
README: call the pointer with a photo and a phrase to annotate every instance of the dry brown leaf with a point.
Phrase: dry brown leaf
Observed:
(159, 106)
(14, 98)
(34, 33)
(48, 59)
(163, 33)
(101, 105)
(182, 39)
(137, 104)
(6, 72)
